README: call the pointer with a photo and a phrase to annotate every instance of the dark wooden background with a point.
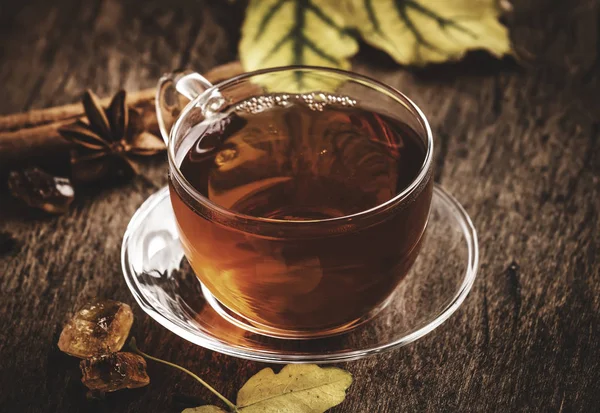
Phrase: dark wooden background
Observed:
(518, 144)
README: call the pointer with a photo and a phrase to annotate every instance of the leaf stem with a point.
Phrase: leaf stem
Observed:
(133, 346)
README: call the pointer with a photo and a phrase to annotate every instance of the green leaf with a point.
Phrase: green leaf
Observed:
(296, 32)
(296, 388)
(429, 31)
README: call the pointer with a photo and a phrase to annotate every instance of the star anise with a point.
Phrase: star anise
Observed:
(109, 140)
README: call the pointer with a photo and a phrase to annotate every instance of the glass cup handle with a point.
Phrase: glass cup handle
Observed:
(174, 91)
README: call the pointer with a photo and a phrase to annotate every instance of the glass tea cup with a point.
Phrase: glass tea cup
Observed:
(300, 213)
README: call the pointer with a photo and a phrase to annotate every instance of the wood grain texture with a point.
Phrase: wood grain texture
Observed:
(519, 146)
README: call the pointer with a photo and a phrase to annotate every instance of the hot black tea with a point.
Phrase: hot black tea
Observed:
(302, 162)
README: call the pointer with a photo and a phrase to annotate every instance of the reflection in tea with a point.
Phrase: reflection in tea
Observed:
(292, 158)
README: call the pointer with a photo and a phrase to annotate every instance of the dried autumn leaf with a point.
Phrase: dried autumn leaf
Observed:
(418, 32)
(204, 409)
(296, 32)
(297, 388)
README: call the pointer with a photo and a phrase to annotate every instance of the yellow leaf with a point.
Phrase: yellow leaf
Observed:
(297, 388)
(296, 32)
(430, 31)
(204, 409)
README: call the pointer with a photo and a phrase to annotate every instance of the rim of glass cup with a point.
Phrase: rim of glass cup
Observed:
(357, 78)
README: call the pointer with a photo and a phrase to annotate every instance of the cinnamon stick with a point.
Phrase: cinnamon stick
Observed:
(19, 144)
(35, 133)
(71, 112)
(45, 141)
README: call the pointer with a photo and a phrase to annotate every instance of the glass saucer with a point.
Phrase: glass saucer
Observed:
(166, 288)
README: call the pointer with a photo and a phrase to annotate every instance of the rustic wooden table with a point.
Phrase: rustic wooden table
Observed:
(518, 145)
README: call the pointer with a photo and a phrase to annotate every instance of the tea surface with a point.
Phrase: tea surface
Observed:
(298, 162)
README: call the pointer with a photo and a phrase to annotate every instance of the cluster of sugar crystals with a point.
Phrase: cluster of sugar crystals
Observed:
(314, 100)
(96, 333)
